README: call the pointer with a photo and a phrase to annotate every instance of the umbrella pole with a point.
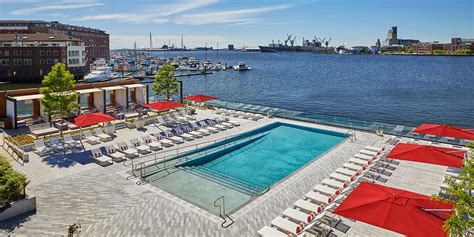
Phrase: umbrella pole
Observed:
(80, 138)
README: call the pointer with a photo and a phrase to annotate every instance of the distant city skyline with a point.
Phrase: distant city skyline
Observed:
(252, 23)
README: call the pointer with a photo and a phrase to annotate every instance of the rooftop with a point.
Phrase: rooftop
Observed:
(35, 37)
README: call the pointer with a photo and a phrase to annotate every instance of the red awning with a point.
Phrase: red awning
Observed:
(163, 105)
(428, 154)
(405, 212)
(91, 119)
(200, 98)
(444, 130)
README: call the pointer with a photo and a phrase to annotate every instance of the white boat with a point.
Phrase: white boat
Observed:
(100, 74)
(242, 67)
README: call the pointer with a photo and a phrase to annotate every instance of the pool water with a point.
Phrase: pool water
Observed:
(253, 162)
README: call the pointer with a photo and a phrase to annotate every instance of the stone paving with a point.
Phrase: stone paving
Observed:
(106, 203)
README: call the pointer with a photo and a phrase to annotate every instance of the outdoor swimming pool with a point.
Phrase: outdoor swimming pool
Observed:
(245, 166)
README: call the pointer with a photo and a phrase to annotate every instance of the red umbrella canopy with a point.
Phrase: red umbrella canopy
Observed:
(163, 105)
(428, 154)
(405, 212)
(200, 98)
(91, 119)
(444, 130)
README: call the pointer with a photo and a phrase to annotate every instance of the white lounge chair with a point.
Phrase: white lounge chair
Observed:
(128, 151)
(154, 145)
(189, 130)
(254, 117)
(358, 161)
(169, 135)
(369, 153)
(71, 143)
(268, 231)
(215, 125)
(334, 183)
(347, 172)
(164, 141)
(196, 128)
(232, 122)
(87, 135)
(287, 225)
(101, 135)
(100, 158)
(309, 206)
(206, 126)
(341, 177)
(180, 133)
(40, 148)
(319, 197)
(56, 145)
(141, 148)
(296, 215)
(326, 190)
(356, 167)
(363, 157)
(178, 118)
(114, 154)
(376, 149)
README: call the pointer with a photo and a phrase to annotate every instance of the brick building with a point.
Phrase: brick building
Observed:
(30, 56)
(96, 41)
(456, 43)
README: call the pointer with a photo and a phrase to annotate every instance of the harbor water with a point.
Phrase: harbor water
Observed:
(405, 90)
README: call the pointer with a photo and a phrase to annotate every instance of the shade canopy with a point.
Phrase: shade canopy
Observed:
(200, 98)
(163, 105)
(428, 154)
(91, 119)
(405, 212)
(444, 130)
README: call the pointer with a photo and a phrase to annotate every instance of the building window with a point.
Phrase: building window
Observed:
(48, 52)
(6, 53)
(15, 53)
(56, 53)
(48, 61)
(27, 62)
(56, 60)
(41, 52)
(5, 62)
(28, 53)
(42, 61)
(17, 61)
(22, 53)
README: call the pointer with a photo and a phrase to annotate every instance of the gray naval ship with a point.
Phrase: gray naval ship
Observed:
(316, 45)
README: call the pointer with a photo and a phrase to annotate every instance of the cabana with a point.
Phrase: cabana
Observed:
(137, 94)
(18, 112)
(114, 96)
(87, 99)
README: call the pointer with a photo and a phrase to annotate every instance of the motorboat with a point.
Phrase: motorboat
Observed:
(242, 67)
(100, 74)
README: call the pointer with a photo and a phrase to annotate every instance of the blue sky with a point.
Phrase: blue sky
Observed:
(252, 23)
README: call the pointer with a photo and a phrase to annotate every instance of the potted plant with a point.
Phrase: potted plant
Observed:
(109, 128)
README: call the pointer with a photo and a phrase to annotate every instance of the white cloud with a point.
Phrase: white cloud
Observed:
(232, 16)
(143, 41)
(155, 14)
(56, 6)
(19, 1)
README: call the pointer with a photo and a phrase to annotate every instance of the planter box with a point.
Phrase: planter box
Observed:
(109, 129)
(140, 123)
(18, 208)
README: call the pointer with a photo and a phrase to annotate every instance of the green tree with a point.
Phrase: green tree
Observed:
(165, 83)
(439, 51)
(59, 97)
(459, 191)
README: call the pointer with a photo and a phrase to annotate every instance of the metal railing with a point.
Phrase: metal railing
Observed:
(190, 152)
(222, 213)
(336, 121)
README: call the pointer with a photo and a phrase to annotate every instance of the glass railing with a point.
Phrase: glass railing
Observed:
(334, 120)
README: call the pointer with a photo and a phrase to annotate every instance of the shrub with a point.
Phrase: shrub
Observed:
(22, 139)
(12, 183)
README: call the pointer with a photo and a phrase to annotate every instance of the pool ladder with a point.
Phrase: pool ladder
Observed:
(222, 214)
(352, 135)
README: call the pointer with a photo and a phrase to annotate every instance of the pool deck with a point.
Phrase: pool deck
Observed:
(73, 190)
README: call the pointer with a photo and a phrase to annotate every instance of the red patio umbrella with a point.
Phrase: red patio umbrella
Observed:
(200, 98)
(428, 154)
(405, 212)
(163, 105)
(91, 119)
(444, 130)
